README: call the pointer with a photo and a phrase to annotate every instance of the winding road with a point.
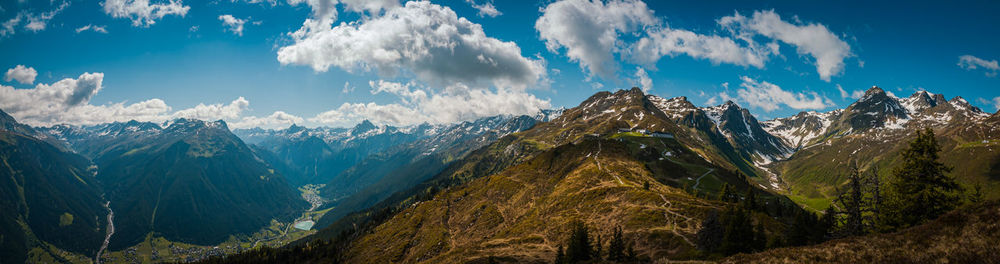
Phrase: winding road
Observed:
(698, 181)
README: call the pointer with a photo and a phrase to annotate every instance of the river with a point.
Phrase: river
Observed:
(111, 231)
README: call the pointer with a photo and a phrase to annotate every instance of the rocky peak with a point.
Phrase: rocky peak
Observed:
(185, 125)
(363, 127)
(294, 129)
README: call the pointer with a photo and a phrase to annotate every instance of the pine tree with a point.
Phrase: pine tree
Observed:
(977, 194)
(710, 235)
(750, 200)
(578, 248)
(851, 202)
(630, 253)
(827, 223)
(738, 236)
(598, 248)
(560, 256)
(923, 189)
(616, 249)
(801, 230)
(726, 194)
(759, 238)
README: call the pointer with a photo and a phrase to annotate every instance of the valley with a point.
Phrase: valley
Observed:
(502, 185)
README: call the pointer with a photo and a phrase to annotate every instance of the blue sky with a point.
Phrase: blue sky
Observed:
(180, 59)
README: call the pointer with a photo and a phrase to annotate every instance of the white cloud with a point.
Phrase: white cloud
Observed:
(32, 21)
(996, 103)
(970, 62)
(643, 80)
(371, 6)
(589, 30)
(856, 94)
(347, 87)
(230, 111)
(827, 50)
(47, 100)
(68, 102)
(485, 9)
(95, 28)
(769, 97)
(233, 24)
(142, 12)
(672, 42)
(422, 38)
(23, 75)
(272, 2)
(420, 104)
(278, 119)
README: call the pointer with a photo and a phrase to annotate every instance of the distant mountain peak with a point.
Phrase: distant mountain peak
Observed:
(294, 129)
(363, 127)
(874, 93)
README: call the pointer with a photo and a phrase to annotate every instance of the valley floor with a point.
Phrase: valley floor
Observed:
(158, 249)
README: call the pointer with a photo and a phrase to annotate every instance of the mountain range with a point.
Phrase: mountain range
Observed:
(502, 186)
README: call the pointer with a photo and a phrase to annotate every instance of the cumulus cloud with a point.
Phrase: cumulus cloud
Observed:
(215, 111)
(371, 6)
(769, 97)
(856, 94)
(643, 80)
(271, 2)
(23, 75)
(420, 104)
(95, 28)
(591, 33)
(67, 101)
(717, 49)
(826, 49)
(278, 119)
(485, 9)
(32, 21)
(589, 30)
(46, 100)
(970, 62)
(421, 38)
(142, 12)
(233, 24)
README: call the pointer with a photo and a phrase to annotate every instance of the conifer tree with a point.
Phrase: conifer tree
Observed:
(923, 190)
(738, 236)
(710, 235)
(560, 256)
(759, 238)
(598, 248)
(578, 248)
(616, 249)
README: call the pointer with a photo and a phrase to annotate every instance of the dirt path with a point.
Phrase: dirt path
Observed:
(667, 205)
(599, 164)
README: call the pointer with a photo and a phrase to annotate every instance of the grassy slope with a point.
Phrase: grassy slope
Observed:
(521, 214)
(813, 173)
(969, 235)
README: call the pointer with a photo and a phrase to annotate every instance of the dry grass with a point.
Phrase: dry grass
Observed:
(522, 214)
(970, 235)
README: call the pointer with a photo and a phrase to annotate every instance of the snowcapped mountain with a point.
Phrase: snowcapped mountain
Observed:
(875, 112)
(874, 129)
(801, 128)
(736, 125)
